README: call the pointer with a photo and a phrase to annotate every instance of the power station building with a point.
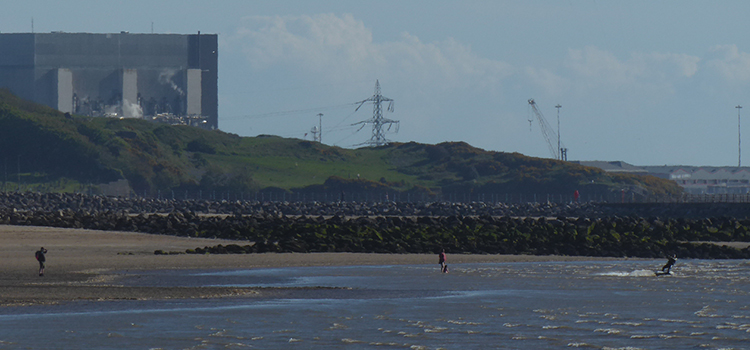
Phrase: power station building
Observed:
(167, 77)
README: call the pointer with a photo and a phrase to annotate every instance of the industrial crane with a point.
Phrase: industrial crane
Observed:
(559, 153)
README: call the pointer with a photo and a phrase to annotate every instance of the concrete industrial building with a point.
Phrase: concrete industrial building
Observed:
(694, 180)
(167, 77)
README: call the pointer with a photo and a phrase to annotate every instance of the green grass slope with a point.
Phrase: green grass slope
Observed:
(55, 152)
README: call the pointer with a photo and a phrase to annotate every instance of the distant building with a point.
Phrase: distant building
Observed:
(172, 77)
(693, 179)
(706, 179)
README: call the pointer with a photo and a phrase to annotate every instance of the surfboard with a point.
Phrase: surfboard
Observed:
(659, 273)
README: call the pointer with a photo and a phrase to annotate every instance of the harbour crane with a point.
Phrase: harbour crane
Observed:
(559, 152)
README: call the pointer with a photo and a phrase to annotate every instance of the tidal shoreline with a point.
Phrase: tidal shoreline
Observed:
(87, 264)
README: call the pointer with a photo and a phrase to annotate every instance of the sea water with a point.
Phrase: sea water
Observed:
(599, 305)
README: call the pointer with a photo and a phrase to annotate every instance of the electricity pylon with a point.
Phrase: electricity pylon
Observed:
(377, 120)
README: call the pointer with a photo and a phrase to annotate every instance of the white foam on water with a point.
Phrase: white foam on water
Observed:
(734, 326)
(589, 314)
(337, 326)
(408, 335)
(589, 321)
(435, 329)
(351, 341)
(464, 323)
(608, 330)
(707, 311)
(581, 345)
(542, 311)
(642, 336)
(384, 344)
(634, 273)
(667, 320)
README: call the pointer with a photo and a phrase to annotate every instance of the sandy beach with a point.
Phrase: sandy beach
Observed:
(85, 264)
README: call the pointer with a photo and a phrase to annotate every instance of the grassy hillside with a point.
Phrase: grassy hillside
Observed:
(55, 152)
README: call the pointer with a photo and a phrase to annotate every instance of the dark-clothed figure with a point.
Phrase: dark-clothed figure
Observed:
(41, 259)
(441, 261)
(670, 262)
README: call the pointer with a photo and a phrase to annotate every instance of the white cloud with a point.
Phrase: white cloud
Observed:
(734, 65)
(551, 82)
(602, 68)
(311, 41)
(682, 65)
(342, 47)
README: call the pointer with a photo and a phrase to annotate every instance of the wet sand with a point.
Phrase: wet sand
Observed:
(85, 264)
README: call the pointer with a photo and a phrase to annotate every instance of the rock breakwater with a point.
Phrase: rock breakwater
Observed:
(588, 229)
(51, 202)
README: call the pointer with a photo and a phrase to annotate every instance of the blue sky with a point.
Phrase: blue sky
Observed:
(645, 82)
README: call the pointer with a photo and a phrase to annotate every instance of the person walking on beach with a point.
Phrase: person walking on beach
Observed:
(670, 262)
(441, 261)
(41, 259)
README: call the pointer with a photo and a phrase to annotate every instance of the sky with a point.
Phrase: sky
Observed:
(645, 82)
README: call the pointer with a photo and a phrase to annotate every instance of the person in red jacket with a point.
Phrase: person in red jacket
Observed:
(441, 261)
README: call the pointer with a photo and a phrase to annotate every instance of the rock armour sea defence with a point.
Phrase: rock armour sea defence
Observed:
(588, 229)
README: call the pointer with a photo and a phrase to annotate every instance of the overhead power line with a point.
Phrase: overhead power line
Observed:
(296, 111)
(377, 120)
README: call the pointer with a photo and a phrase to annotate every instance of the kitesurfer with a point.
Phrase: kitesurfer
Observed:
(670, 262)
